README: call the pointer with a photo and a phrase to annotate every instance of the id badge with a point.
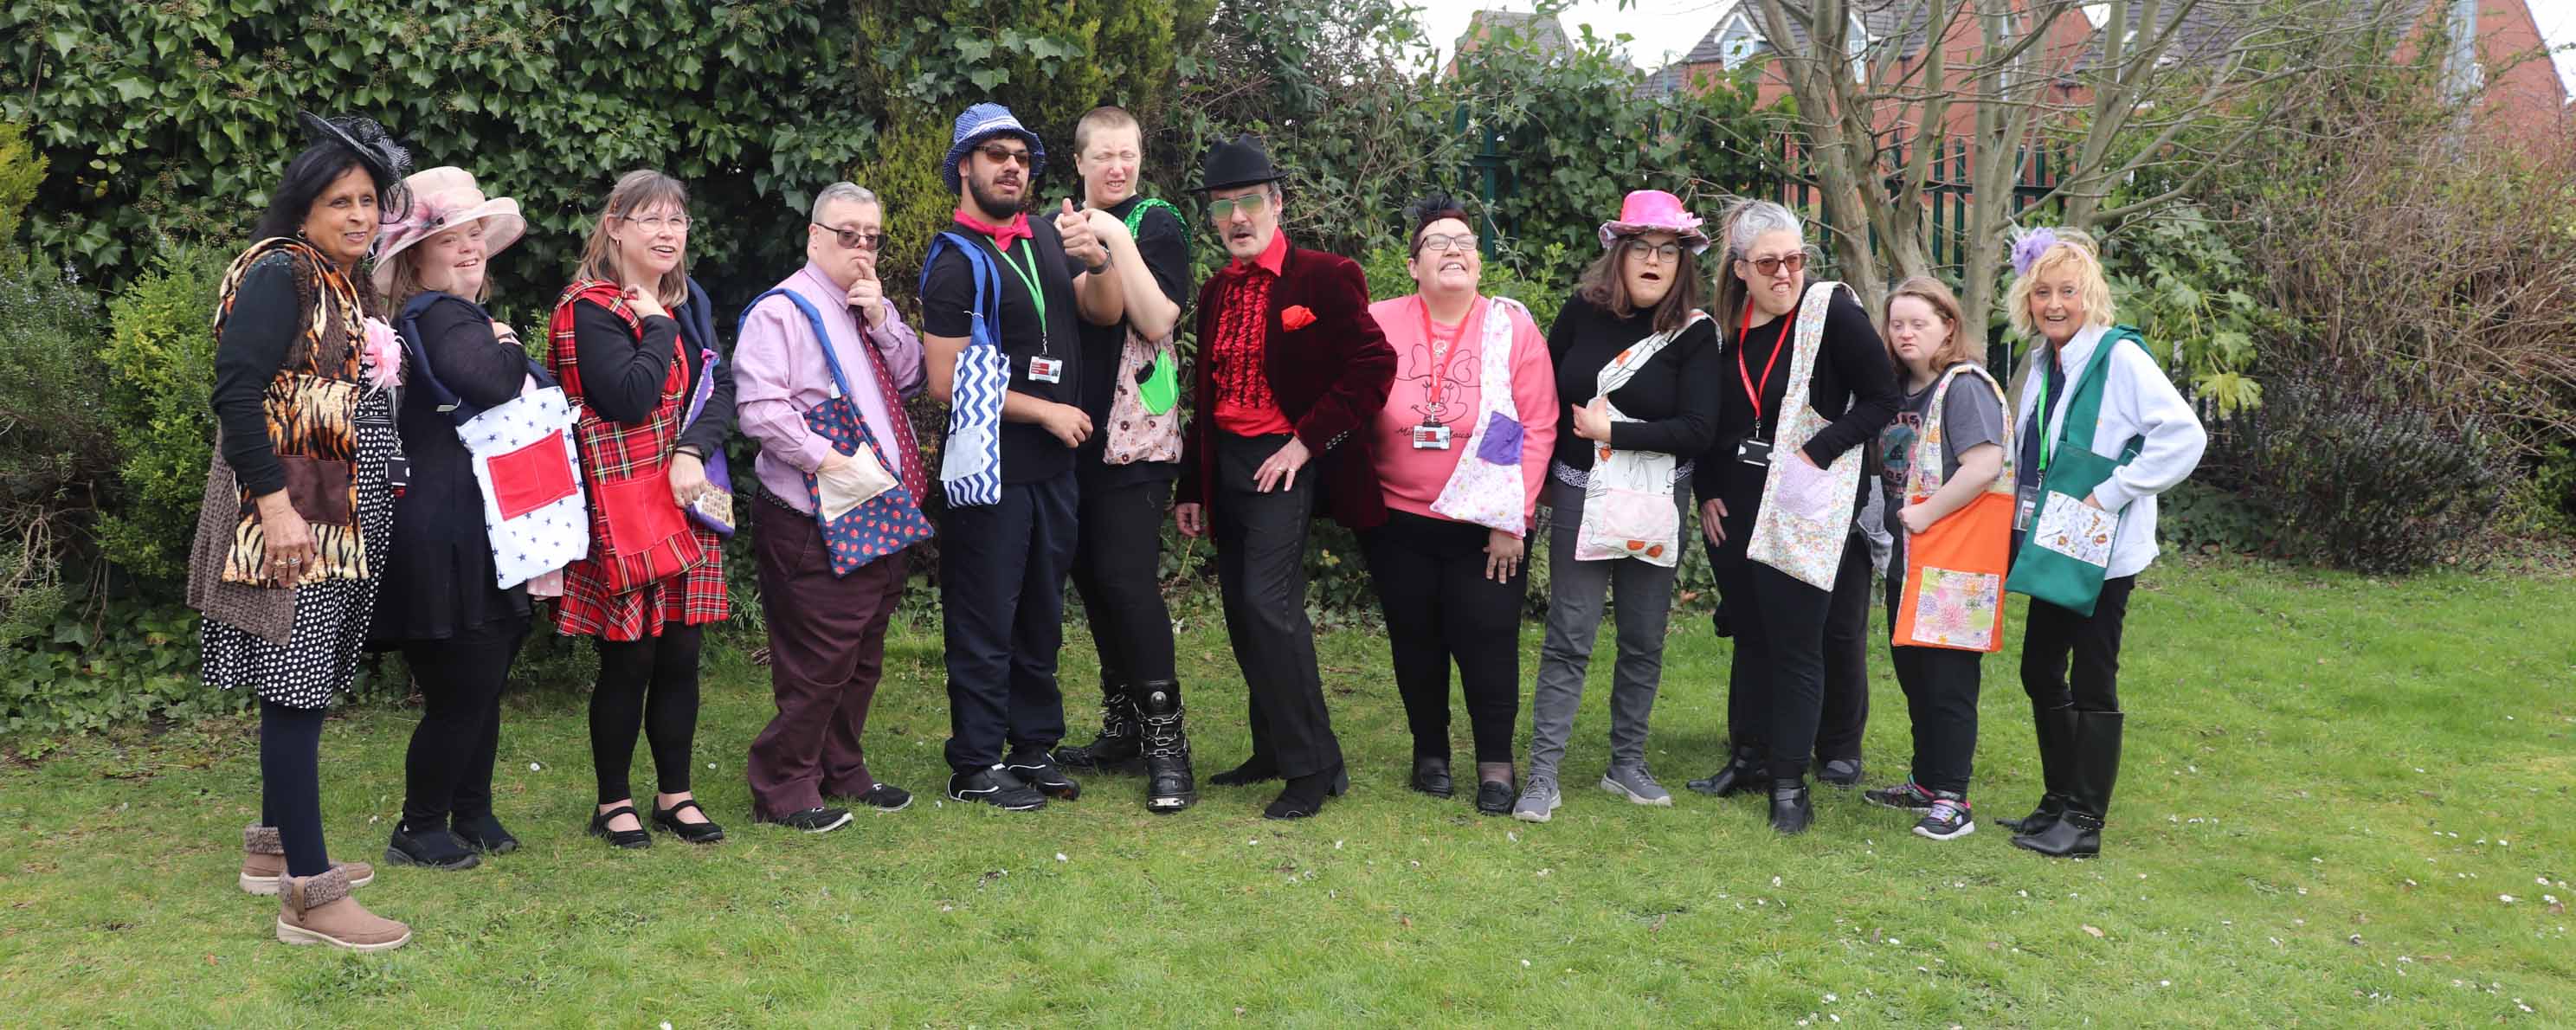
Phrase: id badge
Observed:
(397, 475)
(1428, 437)
(1044, 369)
(2029, 502)
(1754, 451)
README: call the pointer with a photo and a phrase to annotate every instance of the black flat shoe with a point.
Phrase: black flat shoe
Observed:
(1495, 797)
(430, 848)
(1791, 810)
(1431, 776)
(1253, 770)
(1839, 772)
(1742, 774)
(486, 834)
(635, 838)
(885, 797)
(668, 821)
(1039, 771)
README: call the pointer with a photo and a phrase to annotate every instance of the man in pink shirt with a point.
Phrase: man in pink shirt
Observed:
(826, 628)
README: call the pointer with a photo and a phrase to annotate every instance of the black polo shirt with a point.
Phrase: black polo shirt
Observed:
(1029, 452)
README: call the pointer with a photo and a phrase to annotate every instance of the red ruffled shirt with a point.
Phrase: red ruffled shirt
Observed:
(1244, 405)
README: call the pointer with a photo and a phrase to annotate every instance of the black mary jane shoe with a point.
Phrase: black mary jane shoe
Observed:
(485, 833)
(668, 821)
(635, 838)
(1495, 797)
(1431, 776)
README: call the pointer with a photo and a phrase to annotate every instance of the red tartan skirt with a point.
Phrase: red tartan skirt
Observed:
(694, 596)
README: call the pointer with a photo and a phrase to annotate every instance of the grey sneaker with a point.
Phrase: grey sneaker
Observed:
(1637, 785)
(1539, 801)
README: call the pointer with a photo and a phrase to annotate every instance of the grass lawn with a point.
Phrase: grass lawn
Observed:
(2332, 786)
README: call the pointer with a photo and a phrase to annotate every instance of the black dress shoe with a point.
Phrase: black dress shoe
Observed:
(1255, 769)
(1742, 774)
(1495, 797)
(668, 821)
(994, 787)
(1791, 810)
(1040, 772)
(1304, 795)
(486, 834)
(429, 847)
(635, 838)
(1839, 772)
(814, 820)
(1431, 776)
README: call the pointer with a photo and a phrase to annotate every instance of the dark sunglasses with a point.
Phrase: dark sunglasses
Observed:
(852, 239)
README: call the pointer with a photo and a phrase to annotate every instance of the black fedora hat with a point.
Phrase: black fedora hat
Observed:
(1237, 162)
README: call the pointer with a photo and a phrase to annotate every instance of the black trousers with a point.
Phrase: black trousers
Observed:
(1441, 607)
(1261, 575)
(651, 685)
(1116, 562)
(2053, 635)
(1941, 686)
(1002, 568)
(1845, 713)
(1776, 684)
(449, 767)
(290, 784)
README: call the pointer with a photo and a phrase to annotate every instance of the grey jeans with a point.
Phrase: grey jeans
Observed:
(1577, 591)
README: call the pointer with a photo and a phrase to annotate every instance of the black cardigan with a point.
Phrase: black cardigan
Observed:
(1854, 385)
(438, 580)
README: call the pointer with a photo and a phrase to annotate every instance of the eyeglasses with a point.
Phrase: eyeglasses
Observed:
(1791, 263)
(1447, 241)
(656, 223)
(852, 239)
(1251, 204)
(1657, 251)
(999, 154)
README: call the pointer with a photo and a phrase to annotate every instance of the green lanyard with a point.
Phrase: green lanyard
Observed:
(2047, 443)
(1029, 276)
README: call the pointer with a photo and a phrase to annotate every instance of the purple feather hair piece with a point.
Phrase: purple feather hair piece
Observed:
(2027, 247)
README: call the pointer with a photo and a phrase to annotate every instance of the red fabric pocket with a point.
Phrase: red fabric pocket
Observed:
(641, 517)
(531, 477)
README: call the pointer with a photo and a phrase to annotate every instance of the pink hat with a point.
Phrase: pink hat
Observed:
(1654, 211)
(443, 198)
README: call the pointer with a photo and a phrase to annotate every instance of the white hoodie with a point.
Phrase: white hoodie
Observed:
(2137, 400)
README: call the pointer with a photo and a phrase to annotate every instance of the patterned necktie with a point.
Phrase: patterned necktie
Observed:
(910, 459)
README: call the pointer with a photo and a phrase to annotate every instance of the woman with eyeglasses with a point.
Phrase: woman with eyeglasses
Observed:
(1462, 449)
(1806, 384)
(634, 343)
(1636, 380)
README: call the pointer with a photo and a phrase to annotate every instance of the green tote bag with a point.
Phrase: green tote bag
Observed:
(2065, 551)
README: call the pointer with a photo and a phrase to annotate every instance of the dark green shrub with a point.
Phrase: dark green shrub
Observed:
(57, 452)
(160, 358)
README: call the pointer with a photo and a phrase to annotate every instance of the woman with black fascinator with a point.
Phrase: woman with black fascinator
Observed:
(299, 502)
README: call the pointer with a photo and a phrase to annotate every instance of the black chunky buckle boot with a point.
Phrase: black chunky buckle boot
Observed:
(1119, 745)
(1169, 784)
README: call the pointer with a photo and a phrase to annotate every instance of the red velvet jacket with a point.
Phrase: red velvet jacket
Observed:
(1329, 378)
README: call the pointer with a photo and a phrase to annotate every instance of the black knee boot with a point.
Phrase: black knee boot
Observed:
(2092, 769)
(1119, 745)
(1165, 744)
(2055, 728)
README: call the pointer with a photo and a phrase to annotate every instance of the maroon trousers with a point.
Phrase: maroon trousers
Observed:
(826, 652)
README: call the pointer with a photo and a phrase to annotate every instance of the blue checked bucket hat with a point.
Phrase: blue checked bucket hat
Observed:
(982, 122)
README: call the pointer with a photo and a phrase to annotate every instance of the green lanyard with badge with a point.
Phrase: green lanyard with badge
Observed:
(1044, 367)
(2066, 544)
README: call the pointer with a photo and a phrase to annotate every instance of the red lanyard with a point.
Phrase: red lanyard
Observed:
(1442, 358)
(1744, 329)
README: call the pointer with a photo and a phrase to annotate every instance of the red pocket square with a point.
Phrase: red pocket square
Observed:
(1296, 317)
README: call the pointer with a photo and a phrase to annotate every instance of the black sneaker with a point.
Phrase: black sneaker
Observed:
(431, 847)
(1949, 819)
(1908, 796)
(1039, 771)
(814, 820)
(1494, 797)
(886, 797)
(995, 787)
(485, 834)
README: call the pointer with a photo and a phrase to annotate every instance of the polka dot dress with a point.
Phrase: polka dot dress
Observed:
(321, 656)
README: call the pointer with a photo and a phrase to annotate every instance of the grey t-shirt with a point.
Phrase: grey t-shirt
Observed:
(1970, 416)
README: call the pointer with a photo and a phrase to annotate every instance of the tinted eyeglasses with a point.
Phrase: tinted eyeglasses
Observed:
(998, 154)
(1770, 266)
(852, 239)
(1251, 204)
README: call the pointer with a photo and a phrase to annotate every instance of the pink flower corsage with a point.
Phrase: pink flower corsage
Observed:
(381, 357)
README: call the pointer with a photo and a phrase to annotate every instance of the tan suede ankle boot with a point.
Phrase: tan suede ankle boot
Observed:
(264, 860)
(319, 910)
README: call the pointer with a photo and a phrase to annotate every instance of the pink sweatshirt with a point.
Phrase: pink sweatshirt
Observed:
(1413, 478)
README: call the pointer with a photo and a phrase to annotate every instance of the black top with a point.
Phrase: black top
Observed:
(1165, 245)
(623, 379)
(257, 336)
(2026, 467)
(1029, 452)
(438, 579)
(1674, 396)
(1854, 385)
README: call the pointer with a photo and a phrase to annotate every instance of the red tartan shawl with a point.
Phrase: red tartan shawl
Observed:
(612, 452)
